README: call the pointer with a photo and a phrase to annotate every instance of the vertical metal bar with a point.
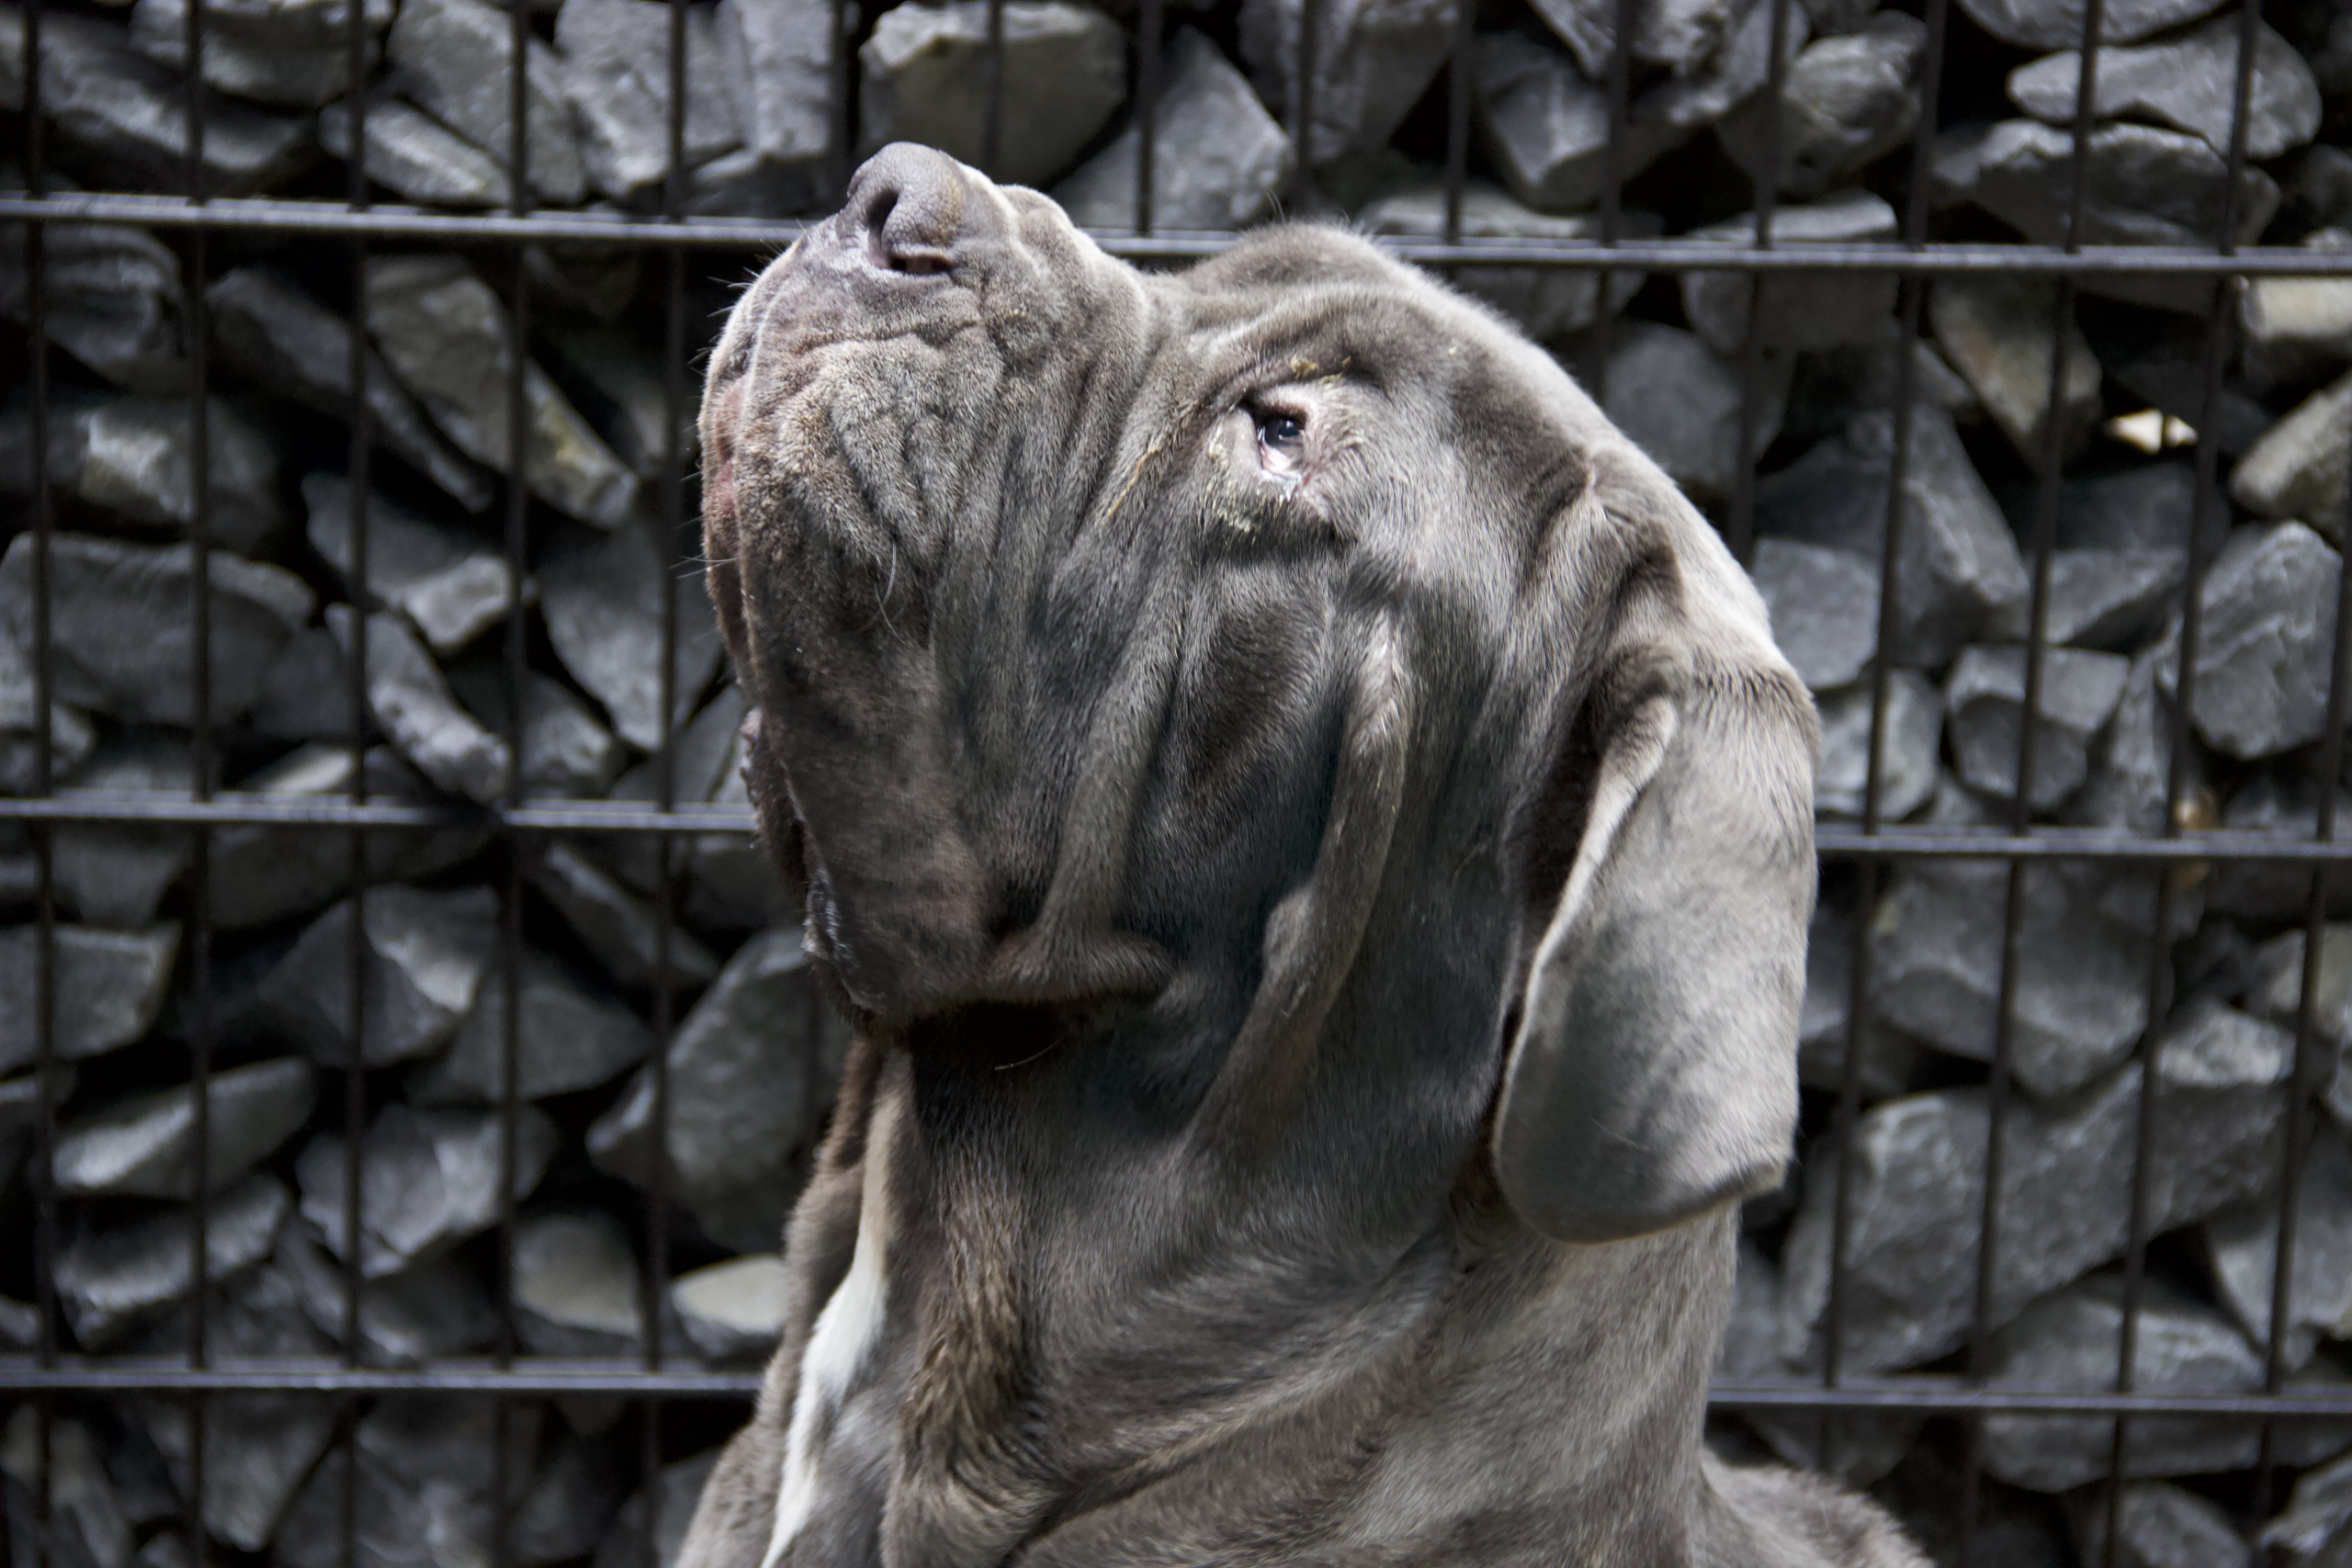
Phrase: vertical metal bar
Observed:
(1458, 88)
(1740, 528)
(1302, 109)
(837, 148)
(1148, 63)
(1613, 193)
(992, 83)
(673, 178)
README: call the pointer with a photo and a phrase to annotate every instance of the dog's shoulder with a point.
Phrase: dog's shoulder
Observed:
(1765, 1517)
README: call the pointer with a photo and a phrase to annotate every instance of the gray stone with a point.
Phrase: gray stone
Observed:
(425, 1492)
(20, 1324)
(574, 1497)
(2242, 1242)
(114, 301)
(435, 1309)
(1681, 34)
(134, 456)
(1217, 157)
(453, 57)
(116, 874)
(1831, 383)
(567, 750)
(776, 64)
(2275, 991)
(618, 52)
(122, 118)
(111, 1277)
(1958, 564)
(268, 327)
(674, 1495)
(2103, 599)
(1914, 722)
(1847, 100)
(2188, 81)
(742, 184)
(2293, 332)
(1985, 700)
(121, 638)
(2260, 684)
(1862, 1447)
(20, 1110)
(1918, 1185)
(616, 381)
(448, 337)
(2297, 469)
(2058, 24)
(2283, 803)
(575, 1285)
(292, 52)
(1678, 400)
(733, 1310)
(750, 1070)
(412, 153)
(428, 1179)
(597, 281)
(1823, 605)
(257, 1447)
(144, 1146)
(2144, 187)
(707, 767)
(306, 694)
(1998, 333)
(571, 1038)
(2073, 1340)
(422, 721)
(1547, 302)
(2131, 765)
(449, 584)
(1794, 311)
(2142, 509)
(1373, 59)
(2158, 1527)
(623, 930)
(70, 736)
(424, 959)
(1825, 1023)
(2160, 356)
(1545, 125)
(262, 874)
(1064, 73)
(2316, 1515)
(111, 985)
(602, 599)
(86, 1528)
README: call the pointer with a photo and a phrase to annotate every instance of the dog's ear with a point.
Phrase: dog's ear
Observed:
(1654, 1072)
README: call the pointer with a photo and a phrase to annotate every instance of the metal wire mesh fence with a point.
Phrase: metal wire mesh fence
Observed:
(2158, 861)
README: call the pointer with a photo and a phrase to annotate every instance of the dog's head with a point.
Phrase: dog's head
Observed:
(1285, 650)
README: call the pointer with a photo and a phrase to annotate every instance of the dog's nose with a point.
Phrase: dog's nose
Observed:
(907, 203)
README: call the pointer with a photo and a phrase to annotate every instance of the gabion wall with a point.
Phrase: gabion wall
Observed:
(405, 1066)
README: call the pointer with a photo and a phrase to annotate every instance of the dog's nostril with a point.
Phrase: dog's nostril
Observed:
(907, 206)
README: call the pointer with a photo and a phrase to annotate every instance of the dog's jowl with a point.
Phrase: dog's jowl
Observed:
(1314, 838)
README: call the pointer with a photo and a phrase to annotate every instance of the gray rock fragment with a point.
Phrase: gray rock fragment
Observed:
(778, 67)
(1847, 100)
(1831, 383)
(1372, 59)
(1958, 564)
(451, 587)
(428, 1179)
(732, 1311)
(2260, 683)
(618, 52)
(2158, 1526)
(134, 456)
(748, 1069)
(87, 1526)
(1681, 35)
(571, 1038)
(110, 1277)
(623, 930)
(2130, 768)
(1547, 302)
(306, 693)
(575, 1285)
(2103, 599)
(291, 52)
(1998, 333)
(2293, 332)
(1823, 605)
(1679, 401)
(574, 1497)
(427, 1470)
(1793, 310)
(2316, 1515)
(602, 598)
(116, 874)
(2058, 24)
(111, 985)
(1864, 1448)
(2285, 803)
(2242, 1242)
(1217, 155)
(120, 623)
(567, 750)
(1064, 73)
(1918, 1190)
(2188, 81)
(1545, 124)
(2297, 469)
(20, 1110)
(2073, 1340)
(114, 301)
(425, 955)
(408, 698)
(448, 337)
(144, 1146)
(71, 737)
(453, 57)
(1914, 722)
(416, 156)
(268, 327)
(1985, 699)
(2144, 508)
(435, 1309)
(123, 119)
(616, 381)
(2274, 991)
(1824, 1021)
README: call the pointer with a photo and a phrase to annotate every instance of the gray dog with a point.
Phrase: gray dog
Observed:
(1315, 838)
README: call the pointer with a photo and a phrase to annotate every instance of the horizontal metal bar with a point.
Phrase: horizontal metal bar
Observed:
(262, 214)
(258, 810)
(2064, 843)
(1931, 1396)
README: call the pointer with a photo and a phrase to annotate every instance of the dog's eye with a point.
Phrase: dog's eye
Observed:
(1280, 439)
